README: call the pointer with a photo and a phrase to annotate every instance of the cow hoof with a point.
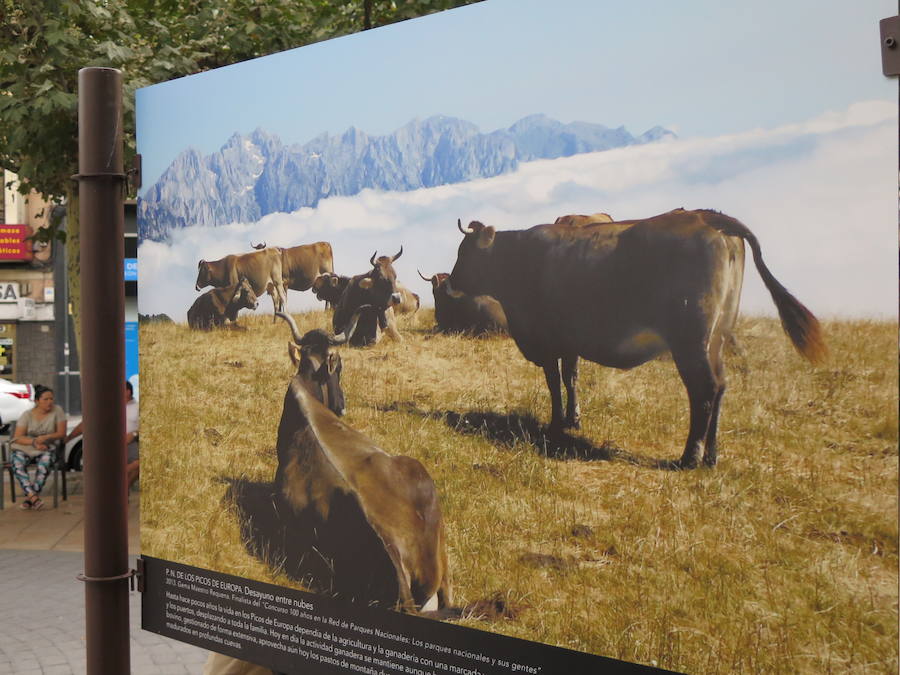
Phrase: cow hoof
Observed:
(710, 462)
(687, 463)
(572, 424)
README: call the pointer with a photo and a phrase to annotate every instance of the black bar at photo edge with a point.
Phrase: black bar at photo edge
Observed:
(293, 631)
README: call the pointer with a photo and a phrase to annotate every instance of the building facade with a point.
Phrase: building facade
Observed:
(27, 289)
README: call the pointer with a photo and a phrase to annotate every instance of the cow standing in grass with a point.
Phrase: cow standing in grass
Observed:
(376, 517)
(261, 268)
(622, 293)
(301, 265)
(376, 290)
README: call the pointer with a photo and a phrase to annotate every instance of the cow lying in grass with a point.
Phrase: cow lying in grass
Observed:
(220, 305)
(375, 516)
(462, 313)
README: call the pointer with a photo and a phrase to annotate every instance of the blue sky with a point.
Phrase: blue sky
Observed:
(702, 68)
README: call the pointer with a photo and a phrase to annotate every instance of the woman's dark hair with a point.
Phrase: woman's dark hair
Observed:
(40, 390)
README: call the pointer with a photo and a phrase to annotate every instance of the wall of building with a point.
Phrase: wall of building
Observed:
(35, 356)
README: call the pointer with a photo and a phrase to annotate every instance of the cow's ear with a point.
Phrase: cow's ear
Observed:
(486, 237)
(333, 281)
(333, 361)
(366, 283)
(294, 353)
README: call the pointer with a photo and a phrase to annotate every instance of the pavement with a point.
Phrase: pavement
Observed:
(42, 618)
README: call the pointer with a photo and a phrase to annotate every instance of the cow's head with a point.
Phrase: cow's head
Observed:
(328, 287)
(438, 281)
(472, 259)
(244, 296)
(381, 283)
(318, 367)
(202, 275)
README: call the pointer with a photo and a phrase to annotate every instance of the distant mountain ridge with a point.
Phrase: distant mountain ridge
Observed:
(252, 176)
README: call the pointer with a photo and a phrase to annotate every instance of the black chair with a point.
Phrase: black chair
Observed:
(58, 468)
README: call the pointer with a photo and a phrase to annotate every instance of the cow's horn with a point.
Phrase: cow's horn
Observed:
(399, 253)
(372, 259)
(258, 247)
(451, 292)
(464, 230)
(424, 278)
(292, 324)
(344, 338)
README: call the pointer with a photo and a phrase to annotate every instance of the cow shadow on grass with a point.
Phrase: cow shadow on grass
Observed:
(338, 555)
(515, 428)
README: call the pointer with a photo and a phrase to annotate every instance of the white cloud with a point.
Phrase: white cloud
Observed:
(821, 197)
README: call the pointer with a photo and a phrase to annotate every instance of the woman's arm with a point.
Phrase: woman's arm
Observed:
(21, 436)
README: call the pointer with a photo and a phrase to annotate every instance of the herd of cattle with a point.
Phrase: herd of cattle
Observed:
(238, 280)
(617, 293)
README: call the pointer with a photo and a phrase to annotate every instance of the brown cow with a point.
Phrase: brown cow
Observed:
(218, 305)
(261, 268)
(461, 313)
(409, 301)
(620, 294)
(377, 288)
(300, 265)
(376, 517)
(574, 220)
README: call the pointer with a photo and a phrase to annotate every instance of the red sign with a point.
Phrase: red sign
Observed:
(13, 244)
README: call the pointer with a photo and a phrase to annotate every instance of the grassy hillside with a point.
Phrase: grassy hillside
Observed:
(782, 559)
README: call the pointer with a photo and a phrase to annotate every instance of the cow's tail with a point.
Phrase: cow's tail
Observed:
(798, 322)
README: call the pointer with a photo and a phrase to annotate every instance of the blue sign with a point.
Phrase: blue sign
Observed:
(131, 349)
(130, 269)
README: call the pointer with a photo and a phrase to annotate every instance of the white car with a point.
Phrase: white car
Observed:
(74, 449)
(14, 400)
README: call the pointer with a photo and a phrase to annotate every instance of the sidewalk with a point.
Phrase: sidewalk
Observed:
(41, 552)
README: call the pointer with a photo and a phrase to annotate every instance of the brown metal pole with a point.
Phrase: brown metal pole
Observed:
(100, 178)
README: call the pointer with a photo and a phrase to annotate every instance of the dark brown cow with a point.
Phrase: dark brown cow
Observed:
(622, 293)
(330, 287)
(300, 265)
(219, 305)
(378, 289)
(376, 516)
(261, 268)
(461, 313)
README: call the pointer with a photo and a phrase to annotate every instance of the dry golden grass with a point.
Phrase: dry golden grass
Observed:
(782, 559)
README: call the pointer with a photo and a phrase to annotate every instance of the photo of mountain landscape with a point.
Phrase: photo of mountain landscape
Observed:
(256, 175)
(391, 151)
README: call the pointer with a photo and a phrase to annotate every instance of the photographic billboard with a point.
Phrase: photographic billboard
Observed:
(519, 251)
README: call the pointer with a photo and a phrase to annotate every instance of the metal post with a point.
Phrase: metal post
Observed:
(101, 180)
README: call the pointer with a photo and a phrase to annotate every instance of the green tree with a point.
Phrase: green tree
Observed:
(43, 44)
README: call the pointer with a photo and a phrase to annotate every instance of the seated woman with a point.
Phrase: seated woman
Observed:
(38, 432)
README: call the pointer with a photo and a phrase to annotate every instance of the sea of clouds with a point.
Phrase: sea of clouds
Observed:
(820, 196)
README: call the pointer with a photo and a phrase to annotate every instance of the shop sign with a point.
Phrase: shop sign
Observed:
(14, 242)
(9, 291)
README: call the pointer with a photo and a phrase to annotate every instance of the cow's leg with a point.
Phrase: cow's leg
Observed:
(570, 380)
(702, 389)
(551, 374)
(282, 295)
(718, 369)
